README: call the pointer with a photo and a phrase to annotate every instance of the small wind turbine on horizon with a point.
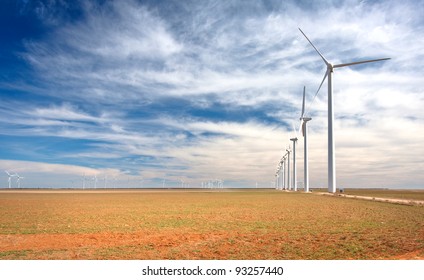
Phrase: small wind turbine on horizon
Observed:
(83, 181)
(9, 180)
(331, 145)
(18, 181)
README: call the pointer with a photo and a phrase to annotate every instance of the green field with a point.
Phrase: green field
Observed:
(199, 224)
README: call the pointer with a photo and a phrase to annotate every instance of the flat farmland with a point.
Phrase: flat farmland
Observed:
(200, 224)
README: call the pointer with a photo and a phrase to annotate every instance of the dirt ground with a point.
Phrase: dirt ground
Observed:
(201, 225)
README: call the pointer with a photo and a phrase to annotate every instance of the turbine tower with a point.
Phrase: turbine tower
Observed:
(288, 169)
(331, 145)
(283, 174)
(294, 140)
(303, 125)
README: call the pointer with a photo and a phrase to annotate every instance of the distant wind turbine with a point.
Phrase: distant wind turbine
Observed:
(276, 180)
(83, 181)
(9, 180)
(331, 145)
(288, 169)
(283, 173)
(303, 125)
(294, 140)
(18, 181)
(280, 170)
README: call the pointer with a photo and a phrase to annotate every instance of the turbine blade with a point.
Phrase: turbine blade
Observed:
(303, 102)
(301, 126)
(325, 76)
(320, 54)
(303, 129)
(359, 62)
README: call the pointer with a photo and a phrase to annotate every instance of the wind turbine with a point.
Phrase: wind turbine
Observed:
(105, 180)
(283, 174)
(9, 180)
(331, 145)
(294, 140)
(277, 177)
(83, 181)
(288, 169)
(303, 125)
(18, 181)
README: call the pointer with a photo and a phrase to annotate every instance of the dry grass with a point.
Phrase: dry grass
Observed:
(205, 225)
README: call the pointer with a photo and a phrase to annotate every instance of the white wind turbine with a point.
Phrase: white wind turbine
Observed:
(303, 125)
(95, 181)
(9, 180)
(283, 173)
(18, 181)
(83, 181)
(280, 167)
(277, 177)
(294, 140)
(288, 169)
(331, 145)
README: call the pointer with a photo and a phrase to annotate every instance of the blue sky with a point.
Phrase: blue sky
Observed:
(138, 91)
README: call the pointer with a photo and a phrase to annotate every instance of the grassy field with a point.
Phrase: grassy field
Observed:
(227, 224)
